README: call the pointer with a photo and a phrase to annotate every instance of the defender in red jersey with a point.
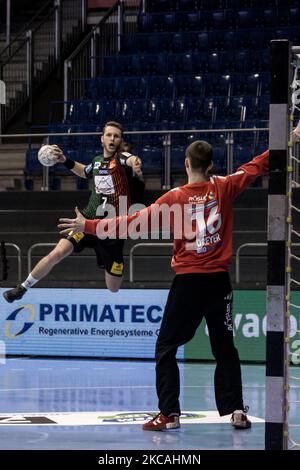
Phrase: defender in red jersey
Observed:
(110, 183)
(201, 219)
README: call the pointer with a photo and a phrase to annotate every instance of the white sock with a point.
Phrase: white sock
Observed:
(30, 281)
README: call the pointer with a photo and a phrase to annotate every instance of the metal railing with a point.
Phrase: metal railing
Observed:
(228, 141)
(19, 256)
(36, 245)
(36, 52)
(140, 245)
(104, 39)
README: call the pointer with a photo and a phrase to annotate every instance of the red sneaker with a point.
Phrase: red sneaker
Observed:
(239, 420)
(162, 422)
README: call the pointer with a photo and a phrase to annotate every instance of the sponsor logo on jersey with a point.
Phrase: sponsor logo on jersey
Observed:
(199, 199)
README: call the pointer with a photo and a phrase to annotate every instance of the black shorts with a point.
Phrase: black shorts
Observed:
(109, 252)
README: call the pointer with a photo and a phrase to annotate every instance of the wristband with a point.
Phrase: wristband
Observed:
(69, 163)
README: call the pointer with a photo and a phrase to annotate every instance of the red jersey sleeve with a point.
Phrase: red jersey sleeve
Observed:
(149, 219)
(246, 174)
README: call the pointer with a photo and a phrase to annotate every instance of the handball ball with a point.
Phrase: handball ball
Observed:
(46, 156)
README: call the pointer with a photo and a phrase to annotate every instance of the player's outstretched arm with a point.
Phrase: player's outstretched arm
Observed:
(74, 225)
(75, 167)
(136, 164)
(295, 136)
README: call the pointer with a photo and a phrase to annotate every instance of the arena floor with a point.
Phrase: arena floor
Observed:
(96, 405)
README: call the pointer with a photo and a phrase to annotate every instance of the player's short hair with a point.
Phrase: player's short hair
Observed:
(200, 155)
(114, 124)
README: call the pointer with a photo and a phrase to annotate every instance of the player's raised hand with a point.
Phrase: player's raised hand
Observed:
(58, 153)
(295, 136)
(72, 226)
(137, 165)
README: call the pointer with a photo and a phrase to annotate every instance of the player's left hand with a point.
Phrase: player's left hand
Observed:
(295, 136)
(72, 225)
(136, 164)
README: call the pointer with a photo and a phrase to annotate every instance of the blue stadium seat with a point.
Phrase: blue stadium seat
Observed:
(186, 5)
(243, 61)
(161, 87)
(153, 64)
(209, 111)
(177, 158)
(214, 62)
(295, 16)
(200, 62)
(181, 64)
(257, 38)
(172, 114)
(96, 108)
(219, 160)
(124, 111)
(132, 43)
(250, 103)
(153, 159)
(202, 41)
(32, 165)
(104, 110)
(162, 5)
(242, 38)
(189, 86)
(236, 110)
(91, 88)
(221, 105)
(241, 155)
(129, 64)
(144, 114)
(63, 140)
(105, 88)
(194, 116)
(168, 21)
(111, 66)
(156, 43)
(247, 18)
(146, 22)
(192, 20)
(252, 84)
(216, 84)
(131, 87)
(221, 19)
(265, 82)
(87, 142)
(223, 39)
(263, 107)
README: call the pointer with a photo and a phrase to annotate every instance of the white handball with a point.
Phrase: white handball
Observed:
(46, 156)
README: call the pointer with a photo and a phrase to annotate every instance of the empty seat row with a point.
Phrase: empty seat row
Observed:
(188, 64)
(178, 86)
(220, 19)
(167, 113)
(196, 41)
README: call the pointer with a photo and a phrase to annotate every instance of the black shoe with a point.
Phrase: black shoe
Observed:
(14, 294)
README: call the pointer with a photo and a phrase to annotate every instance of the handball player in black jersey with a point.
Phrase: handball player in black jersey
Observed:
(109, 172)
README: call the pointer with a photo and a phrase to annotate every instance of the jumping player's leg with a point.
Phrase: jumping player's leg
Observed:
(63, 249)
(113, 283)
(110, 257)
